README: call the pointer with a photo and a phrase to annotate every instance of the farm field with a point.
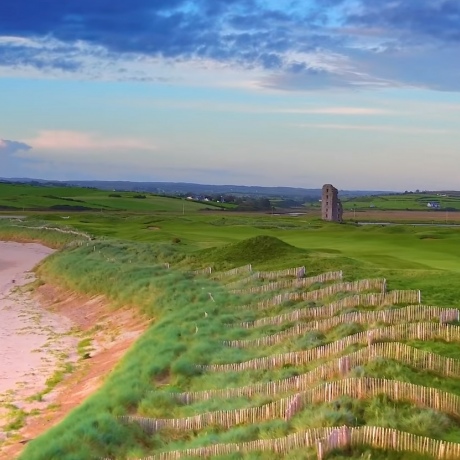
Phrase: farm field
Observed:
(409, 201)
(63, 202)
(23, 197)
(263, 361)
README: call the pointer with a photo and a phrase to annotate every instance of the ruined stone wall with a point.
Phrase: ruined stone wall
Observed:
(331, 207)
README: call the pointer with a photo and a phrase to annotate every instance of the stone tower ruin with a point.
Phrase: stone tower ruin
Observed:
(331, 207)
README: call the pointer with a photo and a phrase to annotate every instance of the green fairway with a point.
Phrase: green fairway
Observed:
(399, 247)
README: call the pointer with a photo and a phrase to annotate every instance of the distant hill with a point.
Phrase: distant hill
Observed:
(181, 188)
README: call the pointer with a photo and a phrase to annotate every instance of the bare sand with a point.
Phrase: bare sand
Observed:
(33, 341)
(39, 332)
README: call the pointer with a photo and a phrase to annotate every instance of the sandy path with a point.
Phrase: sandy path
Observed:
(33, 341)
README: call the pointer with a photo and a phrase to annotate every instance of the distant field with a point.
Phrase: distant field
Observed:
(70, 201)
(67, 199)
(410, 201)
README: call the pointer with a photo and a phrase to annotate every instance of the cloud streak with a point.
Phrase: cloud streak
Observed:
(74, 154)
(377, 128)
(343, 111)
(298, 45)
(83, 142)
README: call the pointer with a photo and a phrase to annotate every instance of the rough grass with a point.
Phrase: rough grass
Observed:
(23, 232)
(259, 250)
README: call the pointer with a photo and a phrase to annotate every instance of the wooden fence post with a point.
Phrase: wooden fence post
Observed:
(320, 450)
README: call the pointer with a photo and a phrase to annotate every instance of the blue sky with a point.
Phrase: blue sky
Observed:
(364, 94)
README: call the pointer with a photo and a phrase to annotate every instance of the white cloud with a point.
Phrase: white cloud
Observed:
(338, 111)
(381, 128)
(351, 68)
(18, 41)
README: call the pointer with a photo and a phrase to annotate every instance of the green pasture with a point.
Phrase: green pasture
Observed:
(23, 197)
(125, 263)
(397, 202)
(26, 197)
(401, 202)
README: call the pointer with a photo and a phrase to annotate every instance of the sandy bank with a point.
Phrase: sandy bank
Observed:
(39, 333)
(26, 329)
(16, 262)
(33, 341)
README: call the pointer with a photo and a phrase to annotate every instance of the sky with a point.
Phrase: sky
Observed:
(363, 94)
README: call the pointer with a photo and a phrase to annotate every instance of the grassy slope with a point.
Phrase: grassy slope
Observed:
(427, 259)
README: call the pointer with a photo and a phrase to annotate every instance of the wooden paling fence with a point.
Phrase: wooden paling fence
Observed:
(358, 388)
(225, 419)
(406, 314)
(406, 331)
(303, 439)
(365, 300)
(74, 243)
(233, 272)
(338, 439)
(374, 436)
(298, 272)
(338, 367)
(290, 283)
(387, 439)
(317, 294)
(203, 271)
